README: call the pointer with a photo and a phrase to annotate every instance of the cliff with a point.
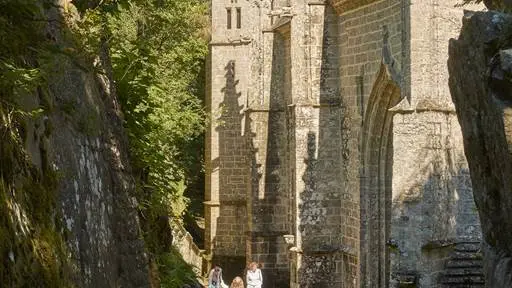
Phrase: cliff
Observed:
(480, 66)
(67, 210)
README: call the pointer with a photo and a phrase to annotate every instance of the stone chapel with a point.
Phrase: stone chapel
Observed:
(334, 157)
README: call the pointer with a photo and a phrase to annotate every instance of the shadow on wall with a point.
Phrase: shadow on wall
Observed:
(320, 207)
(229, 242)
(270, 194)
(442, 210)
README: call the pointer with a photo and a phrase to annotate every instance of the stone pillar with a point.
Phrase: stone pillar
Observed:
(268, 206)
(266, 128)
(317, 158)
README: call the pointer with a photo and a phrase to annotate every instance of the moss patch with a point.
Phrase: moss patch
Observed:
(33, 251)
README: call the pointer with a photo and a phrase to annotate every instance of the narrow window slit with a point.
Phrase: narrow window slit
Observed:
(238, 18)
(228, 10)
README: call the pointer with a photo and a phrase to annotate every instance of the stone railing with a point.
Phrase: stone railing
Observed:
(184, 243)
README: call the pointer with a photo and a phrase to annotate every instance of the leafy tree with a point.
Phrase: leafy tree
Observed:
(157, 50)
(157, 53)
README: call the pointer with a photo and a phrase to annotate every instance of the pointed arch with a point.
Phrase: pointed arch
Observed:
(376, 172)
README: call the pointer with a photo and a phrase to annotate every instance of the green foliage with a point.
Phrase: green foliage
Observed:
(34, 253)
(157, 49)
(157, 54)
(176, 273)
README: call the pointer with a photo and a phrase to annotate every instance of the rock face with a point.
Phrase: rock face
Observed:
(480, 67)
(89, 147)
(498, 4)
(81, 140)
(94, 196)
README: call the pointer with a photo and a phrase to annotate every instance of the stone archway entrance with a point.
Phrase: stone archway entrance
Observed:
(376, 175)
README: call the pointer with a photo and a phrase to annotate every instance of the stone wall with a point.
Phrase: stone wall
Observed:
(345, 119)
(234, 85)
(318, 157)
(269, 200)
(432, 206)
(408, 40)
(228, 170)
(361, 40)
(430, 176)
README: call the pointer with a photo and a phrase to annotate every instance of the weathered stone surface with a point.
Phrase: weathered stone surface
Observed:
(498, 4)
(480, 84)
(352, 141)
(88, 147)
(342, 6)
(79, 146)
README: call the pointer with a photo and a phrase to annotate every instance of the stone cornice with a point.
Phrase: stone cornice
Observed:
(343, 6)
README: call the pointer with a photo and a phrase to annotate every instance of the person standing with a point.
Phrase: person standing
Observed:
(215, 277)
(254, 277)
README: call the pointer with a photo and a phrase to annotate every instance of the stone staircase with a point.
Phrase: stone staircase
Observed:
(464, 268)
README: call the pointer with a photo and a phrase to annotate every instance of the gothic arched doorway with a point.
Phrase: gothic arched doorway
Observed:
(376, 172)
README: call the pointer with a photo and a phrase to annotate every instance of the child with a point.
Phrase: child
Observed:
(237, 283)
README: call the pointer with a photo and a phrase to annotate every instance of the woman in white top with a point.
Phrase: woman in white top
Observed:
(254, 277)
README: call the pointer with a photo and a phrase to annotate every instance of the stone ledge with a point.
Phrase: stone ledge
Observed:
(267, 234)
(323, 251)
(262, 110)
(343, 6)
(236, 203)
(211, 203)
(317, 2)
(235, 42)
(439, 244)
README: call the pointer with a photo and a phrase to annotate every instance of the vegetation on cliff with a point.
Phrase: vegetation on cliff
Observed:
(31, 246)
(157, 49)
(158, 53)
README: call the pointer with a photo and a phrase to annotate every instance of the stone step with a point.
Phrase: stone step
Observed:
(464, 255)
(464, 280)
(464, 263)
(467, 247)
(464, 285)
(465, 267)
(461, 272)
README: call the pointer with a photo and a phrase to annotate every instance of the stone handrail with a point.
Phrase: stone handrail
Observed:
(184, 243)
